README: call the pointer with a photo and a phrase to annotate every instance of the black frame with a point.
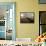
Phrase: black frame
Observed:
(39, 22)
(40, 2)
(27, 12)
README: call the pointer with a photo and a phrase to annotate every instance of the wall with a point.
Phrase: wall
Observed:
(27, 30)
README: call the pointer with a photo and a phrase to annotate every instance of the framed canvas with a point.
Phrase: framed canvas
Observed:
(42, 1)
(7, 20)
(26, 17)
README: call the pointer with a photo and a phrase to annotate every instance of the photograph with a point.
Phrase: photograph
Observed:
(26, 17)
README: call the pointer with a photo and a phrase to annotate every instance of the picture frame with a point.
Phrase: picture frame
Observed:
(42, 1)
(27, 17)
(42, 22)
